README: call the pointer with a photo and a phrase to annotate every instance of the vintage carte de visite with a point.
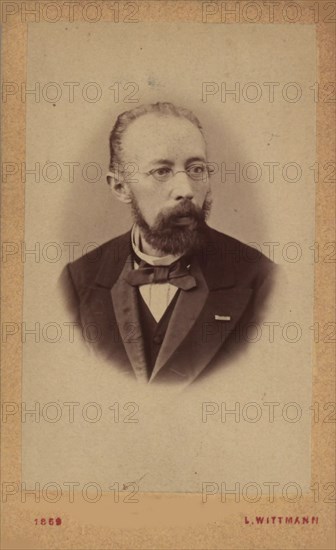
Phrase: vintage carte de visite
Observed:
(168, 254)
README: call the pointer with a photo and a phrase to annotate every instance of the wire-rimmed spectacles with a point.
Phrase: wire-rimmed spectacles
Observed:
(199, 171)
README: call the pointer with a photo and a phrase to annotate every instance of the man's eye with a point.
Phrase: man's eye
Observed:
(197, 168)
(161, 171)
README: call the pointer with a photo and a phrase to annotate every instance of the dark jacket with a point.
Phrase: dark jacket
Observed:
(233, 281)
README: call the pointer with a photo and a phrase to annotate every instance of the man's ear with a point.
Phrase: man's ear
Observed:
(119, 187)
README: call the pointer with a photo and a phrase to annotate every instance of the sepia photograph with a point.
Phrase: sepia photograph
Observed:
(168, 255)
(154, 298)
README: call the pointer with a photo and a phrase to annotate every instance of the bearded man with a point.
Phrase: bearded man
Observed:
(171, 296)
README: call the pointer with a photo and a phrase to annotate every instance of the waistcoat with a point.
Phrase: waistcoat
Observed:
(153, 332)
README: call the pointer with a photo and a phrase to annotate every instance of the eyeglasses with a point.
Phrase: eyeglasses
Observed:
(197, 172)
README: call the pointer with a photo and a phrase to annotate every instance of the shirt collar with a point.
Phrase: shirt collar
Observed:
(151, 260)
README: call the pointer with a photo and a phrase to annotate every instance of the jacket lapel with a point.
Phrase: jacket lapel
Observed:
(96, 308)
(209, 333)
(202, 320)
(187, 309)
(124, 298)
(116, 301)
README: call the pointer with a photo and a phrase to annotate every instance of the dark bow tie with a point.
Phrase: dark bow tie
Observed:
(176, 274)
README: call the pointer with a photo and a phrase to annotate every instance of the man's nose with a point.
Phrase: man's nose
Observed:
(182, 188)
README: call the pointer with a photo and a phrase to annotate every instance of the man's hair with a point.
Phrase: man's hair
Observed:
(125, 119)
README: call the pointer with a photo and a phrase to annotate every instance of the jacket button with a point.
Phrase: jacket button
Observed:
(157, 339)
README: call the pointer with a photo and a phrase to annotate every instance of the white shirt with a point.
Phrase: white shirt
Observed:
(157, 296)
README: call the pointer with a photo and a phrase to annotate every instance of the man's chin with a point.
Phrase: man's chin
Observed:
(184, 237)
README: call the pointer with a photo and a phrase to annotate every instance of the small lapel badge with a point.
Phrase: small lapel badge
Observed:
(222, 318)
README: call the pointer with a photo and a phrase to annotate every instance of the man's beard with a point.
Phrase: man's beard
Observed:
(179, 230)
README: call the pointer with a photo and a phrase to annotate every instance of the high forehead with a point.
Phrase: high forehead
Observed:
(154, 136)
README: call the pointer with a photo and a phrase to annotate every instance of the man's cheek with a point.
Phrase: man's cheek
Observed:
(147, 210)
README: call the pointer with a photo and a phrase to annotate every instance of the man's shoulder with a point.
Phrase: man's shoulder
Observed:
(108, 255)
(226, 245)
(243, 263)
(117, 245)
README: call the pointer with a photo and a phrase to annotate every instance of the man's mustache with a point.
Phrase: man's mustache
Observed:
(184, 209)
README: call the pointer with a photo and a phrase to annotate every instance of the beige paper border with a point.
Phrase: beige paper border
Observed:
(164, 520)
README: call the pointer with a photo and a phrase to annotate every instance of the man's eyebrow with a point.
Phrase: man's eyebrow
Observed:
(195, 159)
(171, 163)
(162, 161)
